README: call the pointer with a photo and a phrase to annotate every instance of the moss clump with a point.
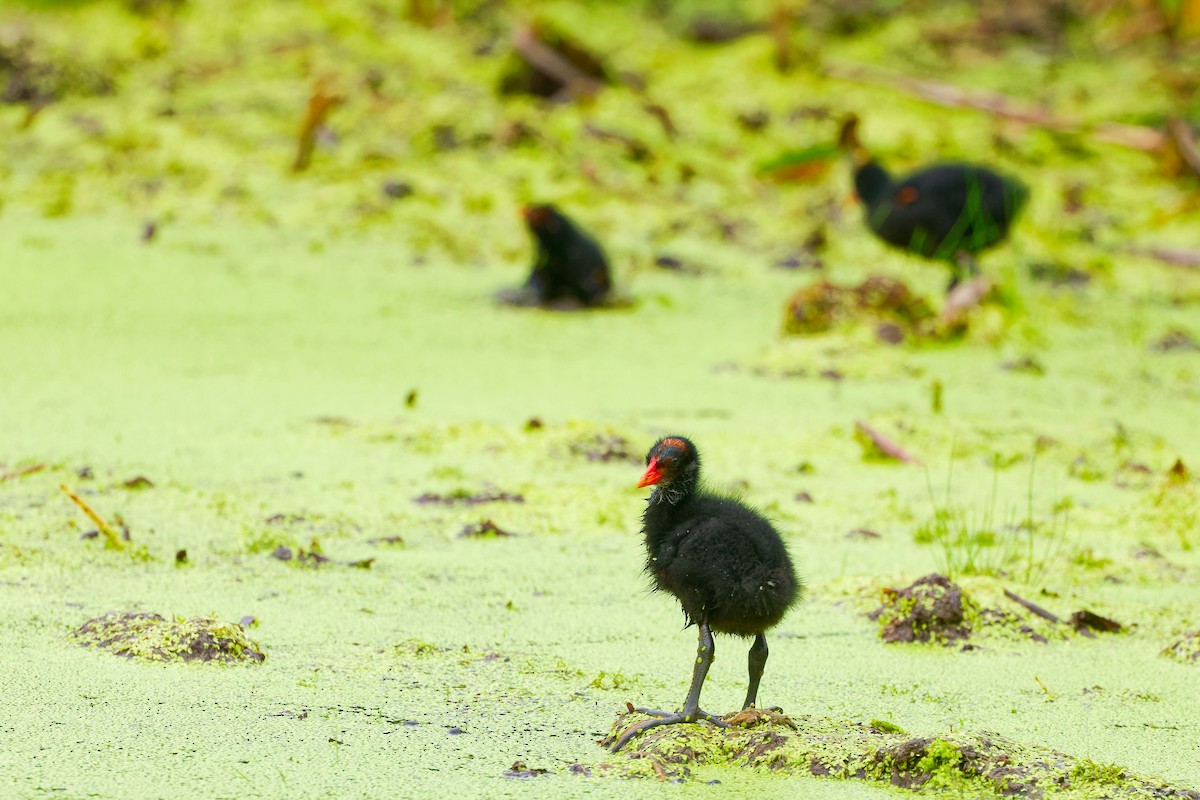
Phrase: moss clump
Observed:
(823, 305)
(942, 762)
(1090, 772)
(883, 726)
(153, 638)
(610, 680)
(972, 765)
(932, 609)
(1186, 649)
(816, 308)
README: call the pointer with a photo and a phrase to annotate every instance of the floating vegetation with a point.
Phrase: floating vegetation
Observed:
(823, 305)
(980, 764)
(152, 637)
(1186, 649)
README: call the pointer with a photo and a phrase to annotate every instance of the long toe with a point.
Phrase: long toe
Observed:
(713, 718)
(673, 718)
(654, 712)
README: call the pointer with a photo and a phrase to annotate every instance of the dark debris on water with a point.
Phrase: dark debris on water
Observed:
(519, 770)
(483, 530)
(463, 497)
(605, 447)
(313, 557)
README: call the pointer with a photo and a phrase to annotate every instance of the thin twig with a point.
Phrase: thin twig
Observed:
(1045, 688)
(886, 445)
(780, 26)
(322, 101)
(660, 113)
(111, 538)
(21, 473)
(944, 94)
(1034, 607)
(1189, 259)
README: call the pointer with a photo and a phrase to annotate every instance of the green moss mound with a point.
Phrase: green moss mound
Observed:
(933, 608)
(878, 299)
(977, 764)
(1186, 649)
(153, 638)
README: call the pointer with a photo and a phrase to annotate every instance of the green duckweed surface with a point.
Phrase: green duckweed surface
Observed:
(293, 361)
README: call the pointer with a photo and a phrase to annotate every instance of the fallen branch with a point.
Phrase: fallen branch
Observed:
(112, 539)
(1034, 607)
(551, 62)
(21, 473)
(886, 445)
(944, 94)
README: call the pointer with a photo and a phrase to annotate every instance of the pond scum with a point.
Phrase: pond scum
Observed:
(972, 765)
(323, 183)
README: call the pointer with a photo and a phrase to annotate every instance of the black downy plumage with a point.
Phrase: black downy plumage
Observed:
(725, 563)
(569, 265)
(948, 212)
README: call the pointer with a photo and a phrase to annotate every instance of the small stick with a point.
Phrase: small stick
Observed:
(111, 538)
(549, 61)
(21, 473)
(663, 116)
(963, 298)
(780, 26)
(322, 101)
(1045, 688)
(1034, 607)
(886, 445)
(1178, 257)
(1185, 145)
(1134, 136)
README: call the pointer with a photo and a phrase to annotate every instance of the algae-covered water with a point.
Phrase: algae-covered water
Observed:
(293, 362)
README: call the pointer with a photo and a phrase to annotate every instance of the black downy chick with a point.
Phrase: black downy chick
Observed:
(724, 562)
(569, 266)
(947, 212)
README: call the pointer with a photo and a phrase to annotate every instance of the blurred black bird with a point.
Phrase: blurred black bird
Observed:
(569, 267)
(947, 212)
(725, 563)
